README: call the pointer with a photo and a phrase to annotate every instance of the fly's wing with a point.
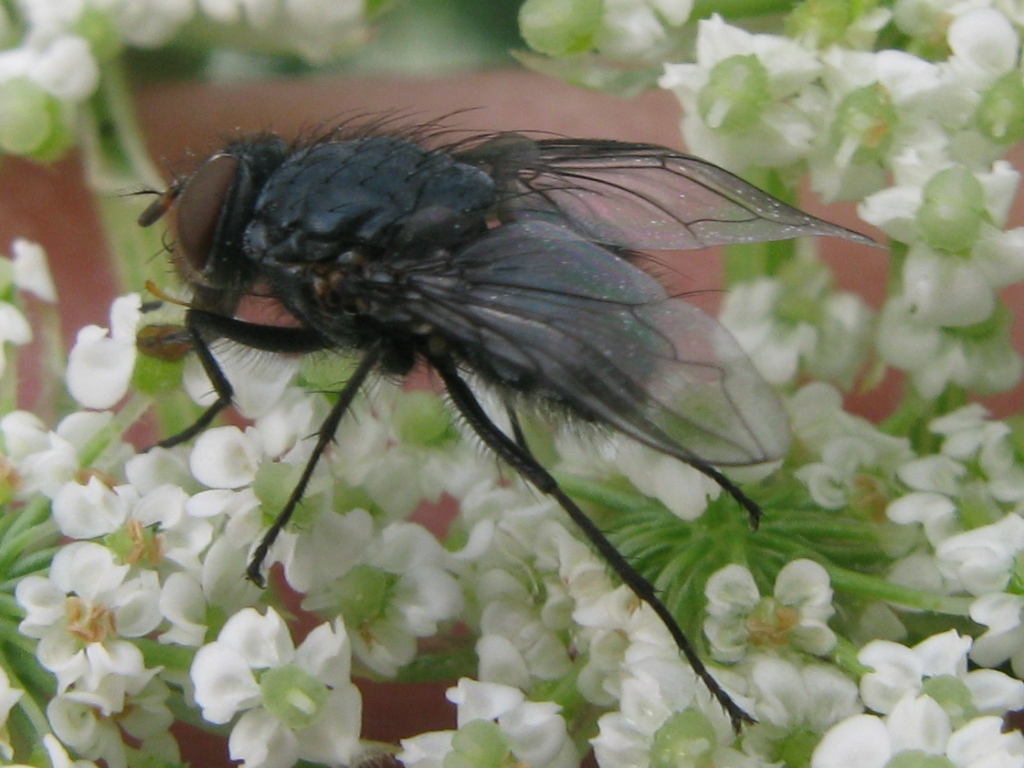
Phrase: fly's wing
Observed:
(538, 307)
(639, 196)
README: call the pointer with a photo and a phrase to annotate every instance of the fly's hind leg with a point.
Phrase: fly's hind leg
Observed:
(521, 460)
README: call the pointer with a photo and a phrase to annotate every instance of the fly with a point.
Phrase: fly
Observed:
(504, 258)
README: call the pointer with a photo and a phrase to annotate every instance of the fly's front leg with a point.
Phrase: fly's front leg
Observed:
(201, 325)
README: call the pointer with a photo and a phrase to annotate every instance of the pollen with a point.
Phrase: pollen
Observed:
(89, 623)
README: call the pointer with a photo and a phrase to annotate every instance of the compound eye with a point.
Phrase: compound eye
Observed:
(200, 206)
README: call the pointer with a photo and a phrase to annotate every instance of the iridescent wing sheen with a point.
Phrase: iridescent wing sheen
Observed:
(537, 306)
(638, 196)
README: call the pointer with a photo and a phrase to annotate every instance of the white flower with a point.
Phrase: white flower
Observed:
(374, 446)
(636, 29)
(858, 460)
(881, 104)
(24, 434)
(14, 329)
(101, 362)
(403, 589)
(664, 717)
(492, 718)
(86, 730)
(1003, 614)
(750, 314)
(91, 510)
(937, 357)
(46, 461)
(188, 600)
(796, 616)
(82, 722)
(226, 457)
(969, 435)
(515, 646)
(952, 290)
(259, 379)
(777, 130)
(983, 559)
(935, 512)
(680, 487)
(66, 68)
(293, 703)
(917, 727)
(151, 23)
(80, 614)
(938, 666)
(818, 417)
(31, 271)
(829, 337)
(288, 430)
(177, 536)
(984, 45)
(791, 698)
(325, 550)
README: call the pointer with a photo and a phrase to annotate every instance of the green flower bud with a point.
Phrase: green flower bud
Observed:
(100, 31)
(560, 27)
(953, 210)
(478, 744)
(797, 747)
(31, 121)
(953, 696)
(685, 740)
(1000, 115)
(293, 696)
(866, 117)
(421, 418)
(736, 94)
(363, 594)
(823, 21)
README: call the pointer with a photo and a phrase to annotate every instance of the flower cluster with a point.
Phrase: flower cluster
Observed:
(853, 118)
(48, 74)
(147, 600)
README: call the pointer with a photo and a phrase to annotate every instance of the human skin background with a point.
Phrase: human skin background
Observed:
(52, 206)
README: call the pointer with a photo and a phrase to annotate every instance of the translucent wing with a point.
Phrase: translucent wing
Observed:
(639, 196)
(537, 306)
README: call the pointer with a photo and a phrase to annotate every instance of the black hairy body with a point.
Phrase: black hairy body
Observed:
(501, 259)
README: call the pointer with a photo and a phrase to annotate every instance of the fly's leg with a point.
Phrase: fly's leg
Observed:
(325, 436)
(523, 462)
(269, 338)
(221, 386)
(517, 430)
(201, 325)
(727, 485)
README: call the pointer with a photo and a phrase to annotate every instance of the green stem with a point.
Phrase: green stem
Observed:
(880, 589)
(118, 165)
(734, 9)
(92, 452)
(595, 492)
(31, 529)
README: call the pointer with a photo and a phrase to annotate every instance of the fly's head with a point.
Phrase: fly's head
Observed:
(212, 207)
